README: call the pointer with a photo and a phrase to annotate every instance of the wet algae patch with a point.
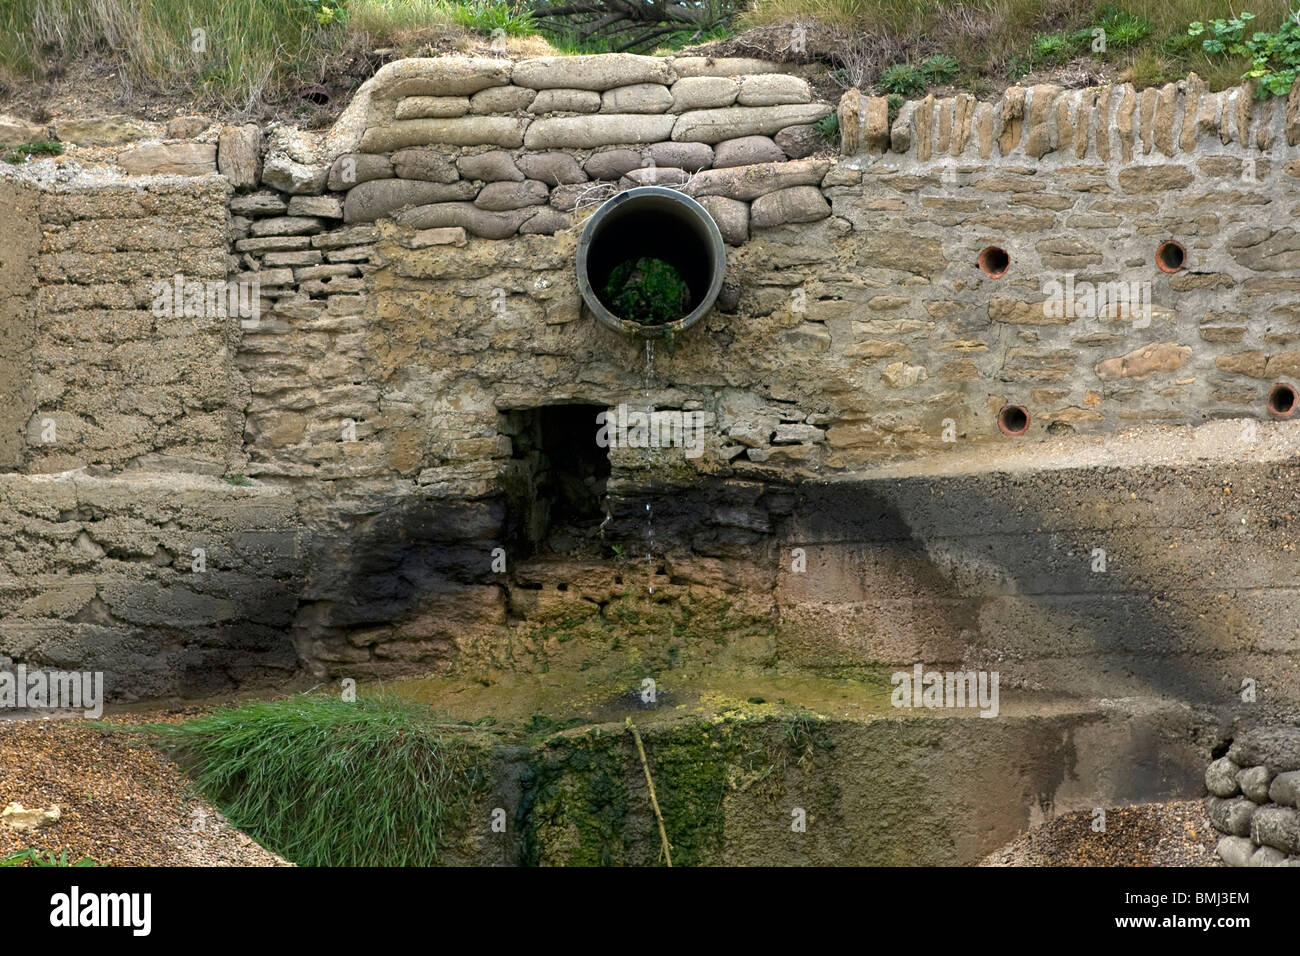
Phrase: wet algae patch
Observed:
(587, 803)
(748, 768)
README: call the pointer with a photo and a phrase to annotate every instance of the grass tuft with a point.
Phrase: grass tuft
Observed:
(828, 129)
(901, 78)
(491, 16)
(17, 155)
(233, 52)
(326, 782)
(940, 69)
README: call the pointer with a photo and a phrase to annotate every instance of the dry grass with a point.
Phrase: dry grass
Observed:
(991, 37)
(246, 49)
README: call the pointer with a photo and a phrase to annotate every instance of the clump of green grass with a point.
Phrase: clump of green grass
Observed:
(20, 154)
(894, 102)
(940, 69)
(489, 16)
(828, 128)
(1053, 49)
(326, 782)
(647, 291)
(1123, 29)
(901, 78)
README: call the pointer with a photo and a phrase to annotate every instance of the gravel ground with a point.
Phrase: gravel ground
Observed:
(123, 802)
(1149, 834)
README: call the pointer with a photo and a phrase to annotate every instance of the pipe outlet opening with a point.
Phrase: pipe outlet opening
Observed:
(1281, 400)
(993, 262)
(1013, 420)
(650, 262)
(1171, 256)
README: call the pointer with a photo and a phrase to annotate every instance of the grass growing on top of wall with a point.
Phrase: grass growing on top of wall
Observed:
(326, 782)
(243, 50)
(999, 40)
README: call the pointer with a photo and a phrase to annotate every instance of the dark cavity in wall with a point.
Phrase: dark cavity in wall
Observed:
(555, 484)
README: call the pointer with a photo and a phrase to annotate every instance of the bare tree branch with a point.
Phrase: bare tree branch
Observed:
(629, 24)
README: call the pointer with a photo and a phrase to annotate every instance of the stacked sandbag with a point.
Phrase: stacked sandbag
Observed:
(1255, 798)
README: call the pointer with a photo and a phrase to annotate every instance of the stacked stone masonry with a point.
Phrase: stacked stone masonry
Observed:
(415, 267)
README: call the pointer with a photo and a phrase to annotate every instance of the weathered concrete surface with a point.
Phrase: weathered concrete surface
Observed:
(877, 786)
(19, 244)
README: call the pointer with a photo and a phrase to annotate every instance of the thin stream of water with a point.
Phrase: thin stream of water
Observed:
(649, 511)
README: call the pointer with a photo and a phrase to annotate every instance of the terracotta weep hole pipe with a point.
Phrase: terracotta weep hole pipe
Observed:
(1281, 400)
(993, 262)
(1013, 420)
(1171, 256)
(659, 223)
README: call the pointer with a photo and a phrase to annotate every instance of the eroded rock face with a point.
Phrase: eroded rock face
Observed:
(102, 131)
(179, 159)
(238, 155)
(14, 131)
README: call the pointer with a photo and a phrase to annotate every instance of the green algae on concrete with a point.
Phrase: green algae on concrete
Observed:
(763, 768)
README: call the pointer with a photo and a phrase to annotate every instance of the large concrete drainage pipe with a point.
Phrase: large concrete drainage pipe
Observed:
(650, 262)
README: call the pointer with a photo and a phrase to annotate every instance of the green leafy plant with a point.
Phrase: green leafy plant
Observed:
(647, 291)
(20, 154)
(489, 16)
(894, 102)
(828, 128)
(901, 78)
(239, 480)
(328, 782)
(1050, 49)
(941, 69)
(32, 857)
(1226, 36)
(1178, 44)
(1122, 28)
(326, 11)
(1274, 57)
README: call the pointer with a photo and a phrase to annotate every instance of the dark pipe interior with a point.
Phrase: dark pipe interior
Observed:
(1013, 420)
(1281, 400)
(656, 227)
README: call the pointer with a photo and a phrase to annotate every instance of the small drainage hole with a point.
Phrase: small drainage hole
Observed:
(1281, 400)
(994, 262)
(1013, 420)
(1171, 256)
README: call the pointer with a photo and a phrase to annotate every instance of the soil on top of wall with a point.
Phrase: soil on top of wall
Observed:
(96, 86)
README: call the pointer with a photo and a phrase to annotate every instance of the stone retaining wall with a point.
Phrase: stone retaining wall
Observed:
(418, 300)
(1254, 795)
